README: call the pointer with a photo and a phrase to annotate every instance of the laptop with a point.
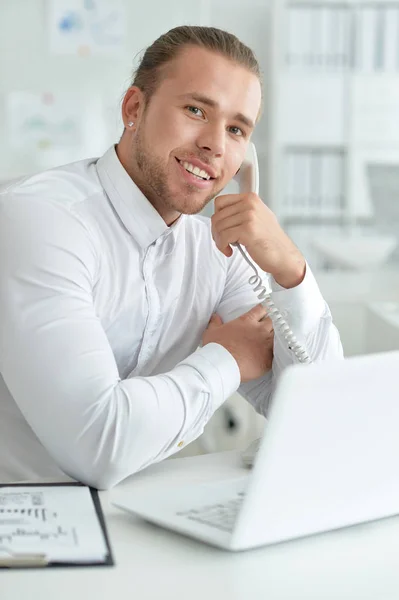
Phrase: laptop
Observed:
(328, 459)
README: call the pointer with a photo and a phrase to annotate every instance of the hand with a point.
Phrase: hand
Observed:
(245, 219)
(248, 338)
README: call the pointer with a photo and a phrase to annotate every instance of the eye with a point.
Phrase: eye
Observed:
(194, 110)
(236, 131)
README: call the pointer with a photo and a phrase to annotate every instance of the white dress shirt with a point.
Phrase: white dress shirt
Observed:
(102, 309)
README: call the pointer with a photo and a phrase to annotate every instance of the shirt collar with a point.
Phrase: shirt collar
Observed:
(138, 215)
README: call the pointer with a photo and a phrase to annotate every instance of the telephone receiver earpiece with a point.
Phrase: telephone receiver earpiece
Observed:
(247, 175)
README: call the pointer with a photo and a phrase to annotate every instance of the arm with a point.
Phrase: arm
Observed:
(59, 367)
(305, 311)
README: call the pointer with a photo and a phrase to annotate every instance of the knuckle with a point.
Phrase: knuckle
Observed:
(218, 202)
(253, 199)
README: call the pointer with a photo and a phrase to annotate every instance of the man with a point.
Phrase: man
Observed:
(109, 284)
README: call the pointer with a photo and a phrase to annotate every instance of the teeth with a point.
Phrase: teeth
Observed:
(195, 170)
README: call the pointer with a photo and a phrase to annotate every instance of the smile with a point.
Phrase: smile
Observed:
(200, 173)
(200, 179)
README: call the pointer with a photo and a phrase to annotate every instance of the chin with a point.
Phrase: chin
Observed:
(188, 205)
(189, 208)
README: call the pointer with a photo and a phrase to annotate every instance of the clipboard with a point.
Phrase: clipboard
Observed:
(39, 560)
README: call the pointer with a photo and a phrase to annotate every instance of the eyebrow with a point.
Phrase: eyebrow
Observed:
(213, 104)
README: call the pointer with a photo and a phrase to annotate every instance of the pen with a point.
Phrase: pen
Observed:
(22, 559)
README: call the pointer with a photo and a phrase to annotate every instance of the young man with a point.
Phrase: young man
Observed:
(109, 284)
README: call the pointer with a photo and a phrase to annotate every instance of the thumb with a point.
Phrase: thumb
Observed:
(215, 321)
(257, 313)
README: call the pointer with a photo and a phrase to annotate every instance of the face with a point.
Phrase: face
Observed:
(200, 118)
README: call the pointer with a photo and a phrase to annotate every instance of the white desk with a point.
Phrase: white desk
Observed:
(154, 564)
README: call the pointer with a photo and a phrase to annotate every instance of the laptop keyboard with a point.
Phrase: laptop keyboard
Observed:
(222, 516)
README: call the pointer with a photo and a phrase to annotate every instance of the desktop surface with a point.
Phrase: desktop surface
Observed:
(360, 562)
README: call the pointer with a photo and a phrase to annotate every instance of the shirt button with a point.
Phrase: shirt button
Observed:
(180, 444)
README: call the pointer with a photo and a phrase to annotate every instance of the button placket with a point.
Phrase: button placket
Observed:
(153, 307)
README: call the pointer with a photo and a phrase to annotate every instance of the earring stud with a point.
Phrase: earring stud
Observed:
(130, 124)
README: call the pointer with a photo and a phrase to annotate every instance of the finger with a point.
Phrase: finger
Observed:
(227, 222)
(226, 250)
(228, 211)
(215, 321)
(227, 237)
(257, 313)
(267, 323)
(268, 328)
(221, 241)
(249, 198)
(221, 202)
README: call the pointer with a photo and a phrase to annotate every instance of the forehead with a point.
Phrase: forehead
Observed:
(197, 70)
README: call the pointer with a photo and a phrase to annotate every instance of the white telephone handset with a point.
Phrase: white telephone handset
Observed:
(248, 175)
(248, 180)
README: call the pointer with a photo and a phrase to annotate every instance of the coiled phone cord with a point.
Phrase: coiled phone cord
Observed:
(279, 323)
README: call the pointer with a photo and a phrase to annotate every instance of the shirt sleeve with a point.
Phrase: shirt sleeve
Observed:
(304, 309)
(57, 363)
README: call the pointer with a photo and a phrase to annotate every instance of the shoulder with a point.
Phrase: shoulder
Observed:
(45, 211)
(68, 186)
(57, 199)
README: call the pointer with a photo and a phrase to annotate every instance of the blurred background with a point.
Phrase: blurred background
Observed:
(328, 141)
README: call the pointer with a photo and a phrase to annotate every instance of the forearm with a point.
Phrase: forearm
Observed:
(324, 344)
(101, 431)
(309, 317)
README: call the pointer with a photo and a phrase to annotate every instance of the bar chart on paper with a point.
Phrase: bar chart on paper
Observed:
(60, 523)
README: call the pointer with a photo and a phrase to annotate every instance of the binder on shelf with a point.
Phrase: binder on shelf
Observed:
(334, 38)
(300, 198)
(308, 37)
(320, 24)
(303, 37)
(333, 182)
(290, 39)
(316, 200)
(298, 42)
(52, 525)
(289, 183)
(325, 33)
(317, 37)
(379, 54)
(342, 59)
(391, 39)
(307, 183)
(367, 38)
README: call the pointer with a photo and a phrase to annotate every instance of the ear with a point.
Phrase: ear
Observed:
(132, 106)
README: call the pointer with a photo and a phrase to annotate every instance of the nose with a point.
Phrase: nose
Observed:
(212, 139)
